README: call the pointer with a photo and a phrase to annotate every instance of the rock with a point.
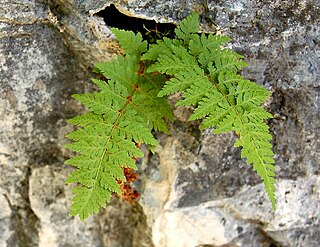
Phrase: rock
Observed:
(196, 190)
(5, 214)
(40, 69)
(279, 45)
(49, 200)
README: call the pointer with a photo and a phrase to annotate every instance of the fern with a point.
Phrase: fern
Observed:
(132, 103)
(120, 115)
(206, 75)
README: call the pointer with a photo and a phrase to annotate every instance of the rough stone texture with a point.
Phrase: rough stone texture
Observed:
(42, 63)
(196, 190)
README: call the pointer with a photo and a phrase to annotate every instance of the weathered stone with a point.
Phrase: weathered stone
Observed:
(49, 200)
(196, 190)
(5, 232)
(216, 173)
(40, 69)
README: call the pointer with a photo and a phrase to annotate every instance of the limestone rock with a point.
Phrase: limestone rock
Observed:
(196, 190)
(5, 214)
(39, 70)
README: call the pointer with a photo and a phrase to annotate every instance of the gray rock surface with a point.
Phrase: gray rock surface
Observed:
(42, 63)
(196, 190)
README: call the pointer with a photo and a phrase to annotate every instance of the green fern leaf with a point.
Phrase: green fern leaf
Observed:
(175, 62)
(130, 104)
(224, 61)
(121, 115)
(206, 74)
(86, 119)
(179, 60)
(107, 145)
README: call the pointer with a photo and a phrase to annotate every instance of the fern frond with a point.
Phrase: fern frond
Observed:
(185, 31)
(178, 60)
(170, 64)
(206, 74)
(121, 115)
(104, 147)
(130, 105)
(145, 101)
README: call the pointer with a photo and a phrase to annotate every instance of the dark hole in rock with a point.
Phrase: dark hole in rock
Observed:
(150, 29)
(273, 245)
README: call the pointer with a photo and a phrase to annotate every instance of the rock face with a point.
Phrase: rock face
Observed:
(196, 190)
